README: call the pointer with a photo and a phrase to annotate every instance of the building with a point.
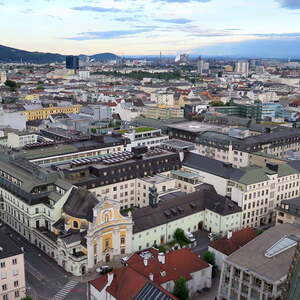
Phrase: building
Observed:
(259, 269)
(145, 136)
(288, 211)
(21, 138)
(126, 284)
(12, 119)
(163, 113)
(152, 274)
(45, 112)
(72, 62)
(242, 67)
(12, 269)
(3, 77)
(156, 224)
(225, 246)
(257, 190)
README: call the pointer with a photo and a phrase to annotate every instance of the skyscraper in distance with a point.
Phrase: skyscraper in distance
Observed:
(72, 62)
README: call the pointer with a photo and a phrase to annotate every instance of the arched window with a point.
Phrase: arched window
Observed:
(75, 224)
(106, 218)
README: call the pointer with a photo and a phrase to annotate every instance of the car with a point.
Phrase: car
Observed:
(190, 236)
(104, 269)
(212, 236)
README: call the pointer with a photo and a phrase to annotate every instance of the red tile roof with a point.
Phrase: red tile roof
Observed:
(126, 284)
(238, 240)
(178, 263)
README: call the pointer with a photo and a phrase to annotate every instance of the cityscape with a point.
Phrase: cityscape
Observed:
(150, 150)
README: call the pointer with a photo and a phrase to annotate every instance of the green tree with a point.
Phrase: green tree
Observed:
(180, 237)
(26, 298)
(209, 257)
(11, 84)
(180, 289)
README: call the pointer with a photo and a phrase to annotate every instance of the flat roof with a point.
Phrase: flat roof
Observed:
(252, 256)
(156, 179)
(194, 126)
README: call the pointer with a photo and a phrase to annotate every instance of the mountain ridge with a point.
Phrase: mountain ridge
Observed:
(9, 54)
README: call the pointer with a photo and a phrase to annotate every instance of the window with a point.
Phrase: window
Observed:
(122, 240)
(14, 261)
(4, 287)
(17, 294)
(16, 283)
(75, 224)
(5, 297)
(2, 265)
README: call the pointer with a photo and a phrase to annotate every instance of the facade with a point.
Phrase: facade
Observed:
(72, 62)
(12, 270)
(164, 113)
(257, 190)
(288, 211)
(149, 137)
(156, 224)
(44, 113)
(20, 139)
(260, 268)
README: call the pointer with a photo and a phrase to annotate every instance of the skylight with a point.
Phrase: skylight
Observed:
(283, 244)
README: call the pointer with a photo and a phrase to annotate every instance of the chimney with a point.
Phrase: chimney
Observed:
(161, 258)
(145, 262)
(151, 277)
(181, 156)
(229, 235)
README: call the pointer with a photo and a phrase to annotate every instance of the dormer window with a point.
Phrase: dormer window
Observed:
(75, 224)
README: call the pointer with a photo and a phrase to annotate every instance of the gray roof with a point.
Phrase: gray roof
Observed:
(252, 257)
(9, 248)
(178, 207)
(80, 204)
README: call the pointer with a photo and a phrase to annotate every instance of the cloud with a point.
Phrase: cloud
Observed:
(175, 21)
(95, 9)
(106, 35)
(290, 4)
(124, 19)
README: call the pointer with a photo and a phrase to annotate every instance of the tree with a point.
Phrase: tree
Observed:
(26, 298)
(209, 257)
(11, 84)
(180, 237)
(180, 289)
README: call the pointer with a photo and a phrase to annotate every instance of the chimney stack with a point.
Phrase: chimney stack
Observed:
(161, 258)
(145, 262)
(229, 235)
(151, 277)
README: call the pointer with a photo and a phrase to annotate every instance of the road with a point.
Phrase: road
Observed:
(202, 242)
(44, 278)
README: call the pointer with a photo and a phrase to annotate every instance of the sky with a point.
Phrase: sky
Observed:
(269, 28)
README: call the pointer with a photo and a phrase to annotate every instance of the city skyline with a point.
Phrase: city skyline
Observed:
(128, 27)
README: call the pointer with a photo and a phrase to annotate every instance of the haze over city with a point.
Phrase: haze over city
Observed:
(146, 27)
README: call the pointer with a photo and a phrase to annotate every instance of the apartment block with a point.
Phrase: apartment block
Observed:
(12, 282)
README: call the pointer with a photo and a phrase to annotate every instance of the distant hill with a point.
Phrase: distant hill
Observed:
(8, 54)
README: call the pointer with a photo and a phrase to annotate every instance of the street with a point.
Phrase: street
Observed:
(46, 280)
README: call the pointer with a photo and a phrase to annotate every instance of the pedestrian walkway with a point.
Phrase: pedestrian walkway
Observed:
(65, 290)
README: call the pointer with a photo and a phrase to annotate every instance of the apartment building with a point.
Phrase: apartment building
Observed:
(259, 269)
(156, 224)
(238, 151)
(145, 136)
(163, 113)
(12, 283)
(21, 138)
(43, 113)
(256, 190)
(288, 211)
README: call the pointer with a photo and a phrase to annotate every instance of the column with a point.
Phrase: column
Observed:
(90, 252)
(100, 249)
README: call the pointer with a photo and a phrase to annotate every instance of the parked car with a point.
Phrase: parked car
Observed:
(212, 236)
(190, 236)
(104, 269)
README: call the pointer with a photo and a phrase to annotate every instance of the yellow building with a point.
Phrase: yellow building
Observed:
(32, 97)
(160, 112)
(44, 113)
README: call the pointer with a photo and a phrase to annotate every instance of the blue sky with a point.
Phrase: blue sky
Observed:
(129, 27)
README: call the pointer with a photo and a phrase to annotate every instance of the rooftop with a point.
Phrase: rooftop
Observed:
(252, 257)
(7, 247)
(194, 126)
